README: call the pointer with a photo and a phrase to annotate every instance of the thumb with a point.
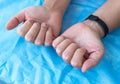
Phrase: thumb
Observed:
(92, 61)
(14, 21)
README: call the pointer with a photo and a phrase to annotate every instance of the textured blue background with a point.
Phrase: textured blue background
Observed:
(25, 63)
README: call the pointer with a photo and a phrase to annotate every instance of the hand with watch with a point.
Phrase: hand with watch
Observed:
(80, 45)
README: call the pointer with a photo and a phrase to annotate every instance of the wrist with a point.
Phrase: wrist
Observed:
(95, 27)
(56, 5)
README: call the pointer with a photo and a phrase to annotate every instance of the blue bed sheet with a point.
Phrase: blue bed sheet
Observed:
(22, 62)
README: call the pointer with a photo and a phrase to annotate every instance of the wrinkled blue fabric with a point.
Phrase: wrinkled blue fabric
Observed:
(22, 62)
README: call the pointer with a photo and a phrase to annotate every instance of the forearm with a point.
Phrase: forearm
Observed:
(57, 5)
(109, 13)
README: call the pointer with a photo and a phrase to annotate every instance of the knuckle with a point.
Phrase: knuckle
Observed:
(20, 32)
(44, 26)
(48, 42)
(67, 60)
(38, 42)
(59, 51)
(28, 38)
(59, 48)
(76, 64)
(66, 53)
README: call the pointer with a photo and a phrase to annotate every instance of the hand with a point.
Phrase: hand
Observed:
(80, 45)
(41, 25)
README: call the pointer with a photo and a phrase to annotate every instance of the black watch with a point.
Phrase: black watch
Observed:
(100, 22)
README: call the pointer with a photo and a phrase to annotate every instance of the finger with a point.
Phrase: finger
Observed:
(14, 21)
(78, 57)
(92, 61)
(33, 32)
(69, 52)
(57, 41)
(25, 28)
(49, 37)
(62, 46)
(42, 33)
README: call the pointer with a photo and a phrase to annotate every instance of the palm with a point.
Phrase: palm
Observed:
(37, 15)
(41, 14)
(85, 37)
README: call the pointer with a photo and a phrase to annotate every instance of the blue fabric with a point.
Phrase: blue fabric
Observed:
(25, 63)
